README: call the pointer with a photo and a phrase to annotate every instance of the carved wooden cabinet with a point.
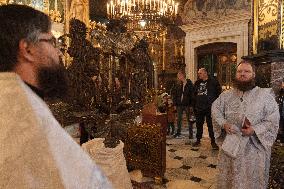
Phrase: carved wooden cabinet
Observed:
(145, 146)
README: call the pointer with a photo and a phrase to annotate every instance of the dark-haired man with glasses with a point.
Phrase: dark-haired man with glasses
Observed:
(35, 152)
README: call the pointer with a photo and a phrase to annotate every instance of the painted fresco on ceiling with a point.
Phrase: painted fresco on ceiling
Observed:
(196, 10)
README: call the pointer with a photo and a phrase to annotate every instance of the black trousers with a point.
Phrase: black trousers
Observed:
(180, 110)
(200, 118)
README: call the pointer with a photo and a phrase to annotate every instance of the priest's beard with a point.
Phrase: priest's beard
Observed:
(244, 85)
(53, 81)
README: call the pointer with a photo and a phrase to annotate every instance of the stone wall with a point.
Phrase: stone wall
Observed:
(277, 75)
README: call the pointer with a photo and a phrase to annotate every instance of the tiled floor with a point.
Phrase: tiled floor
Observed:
(188, 167)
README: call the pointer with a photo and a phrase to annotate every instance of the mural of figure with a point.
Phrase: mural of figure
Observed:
(210, 5)
(194, 10)
(200, 5)
(230, 2)
(79, 9)
(189, 7)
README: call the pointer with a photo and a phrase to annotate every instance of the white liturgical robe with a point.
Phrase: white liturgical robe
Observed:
(244, 161)
(35, 152)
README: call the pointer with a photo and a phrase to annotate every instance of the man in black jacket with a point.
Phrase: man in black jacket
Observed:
(182, 99)
(206, 91)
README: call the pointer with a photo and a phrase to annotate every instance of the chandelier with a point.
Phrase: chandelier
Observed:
(142, 15)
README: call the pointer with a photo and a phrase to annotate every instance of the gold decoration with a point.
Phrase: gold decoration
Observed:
(55, 16)
(282, 26)
(118, 43)
(268, 25)
(142, 15)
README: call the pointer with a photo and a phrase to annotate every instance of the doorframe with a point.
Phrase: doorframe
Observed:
(233, 30)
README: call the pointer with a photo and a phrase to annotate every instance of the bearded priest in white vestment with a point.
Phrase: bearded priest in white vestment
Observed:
(250, 117)
(35, 152)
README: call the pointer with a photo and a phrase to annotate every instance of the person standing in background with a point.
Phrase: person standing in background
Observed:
(171, 116)
(206, 90)
(182, 99)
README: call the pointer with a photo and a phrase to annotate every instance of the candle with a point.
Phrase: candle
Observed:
(120, 6)
(107, 9)
(111, 6)
(155, 77)
(55, 5)
(129, 86)
(176, 8)
(113, 10)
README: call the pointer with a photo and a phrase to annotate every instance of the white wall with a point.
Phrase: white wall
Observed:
(232, 29)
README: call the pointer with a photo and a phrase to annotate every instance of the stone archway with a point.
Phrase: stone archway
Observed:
(220, 60)
(232, 30)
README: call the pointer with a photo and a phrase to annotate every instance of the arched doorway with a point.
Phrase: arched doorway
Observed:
(231, 30)
(220, 59)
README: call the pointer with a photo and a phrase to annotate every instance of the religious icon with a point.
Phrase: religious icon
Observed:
(79, 9)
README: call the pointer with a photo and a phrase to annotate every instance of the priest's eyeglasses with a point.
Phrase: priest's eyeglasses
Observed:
(53, 41)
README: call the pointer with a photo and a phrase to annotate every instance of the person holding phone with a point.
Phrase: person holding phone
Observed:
(250, 117)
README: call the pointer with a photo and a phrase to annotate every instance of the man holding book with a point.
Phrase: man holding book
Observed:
(250, 117)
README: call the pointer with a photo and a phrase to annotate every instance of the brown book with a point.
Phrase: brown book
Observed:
(245, 123)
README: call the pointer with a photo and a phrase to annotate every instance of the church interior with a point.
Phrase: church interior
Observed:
(122, 56)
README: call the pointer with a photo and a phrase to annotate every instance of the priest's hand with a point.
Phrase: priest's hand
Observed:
(247, 131)
(228, 128)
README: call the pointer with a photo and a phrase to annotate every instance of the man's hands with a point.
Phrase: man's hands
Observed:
(229, 129)
(247, 129)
